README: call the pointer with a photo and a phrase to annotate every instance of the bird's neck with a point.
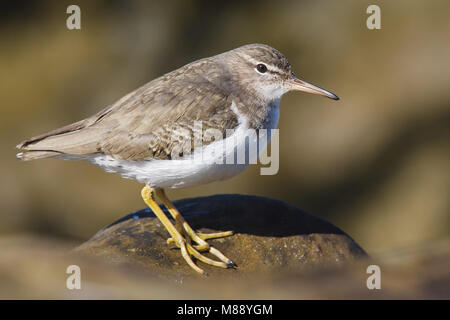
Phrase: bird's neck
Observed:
(259, 113)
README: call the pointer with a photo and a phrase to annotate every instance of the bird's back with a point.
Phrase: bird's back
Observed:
(139, 124)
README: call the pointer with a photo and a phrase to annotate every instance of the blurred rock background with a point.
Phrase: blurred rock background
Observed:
(375, 163)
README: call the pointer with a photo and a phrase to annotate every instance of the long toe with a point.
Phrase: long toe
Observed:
(205, 259)
(214, 235)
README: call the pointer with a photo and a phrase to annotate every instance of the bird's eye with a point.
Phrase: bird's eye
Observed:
(261, 68)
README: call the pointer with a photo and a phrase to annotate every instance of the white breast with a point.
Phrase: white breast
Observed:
(192, 171)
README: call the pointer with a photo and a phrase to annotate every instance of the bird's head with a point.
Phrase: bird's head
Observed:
(268, 72)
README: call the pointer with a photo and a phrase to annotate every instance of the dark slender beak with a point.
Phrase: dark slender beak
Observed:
(300, 85)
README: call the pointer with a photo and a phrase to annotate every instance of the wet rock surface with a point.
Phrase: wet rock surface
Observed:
(270, 236)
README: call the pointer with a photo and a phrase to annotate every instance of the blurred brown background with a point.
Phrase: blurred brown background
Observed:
(375, 163)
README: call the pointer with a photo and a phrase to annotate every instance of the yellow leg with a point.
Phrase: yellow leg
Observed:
(198, 238)
(184, 244)
(147, 195)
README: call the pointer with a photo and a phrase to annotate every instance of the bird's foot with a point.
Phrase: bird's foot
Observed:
(184, 236)
(202, 246)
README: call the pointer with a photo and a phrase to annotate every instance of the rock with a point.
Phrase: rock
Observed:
(270, 235)
(34, 267)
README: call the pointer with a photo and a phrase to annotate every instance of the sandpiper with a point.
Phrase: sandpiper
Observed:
(239, 89)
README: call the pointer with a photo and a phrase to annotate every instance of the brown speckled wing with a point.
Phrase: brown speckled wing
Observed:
(144, 123)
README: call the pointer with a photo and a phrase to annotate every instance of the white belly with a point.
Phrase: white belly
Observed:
(169, 173)
(191, 171)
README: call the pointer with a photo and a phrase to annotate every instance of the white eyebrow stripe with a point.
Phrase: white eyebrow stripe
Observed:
(255, 62)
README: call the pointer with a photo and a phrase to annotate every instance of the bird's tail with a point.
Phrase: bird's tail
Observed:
(73, 139)
(32, 155)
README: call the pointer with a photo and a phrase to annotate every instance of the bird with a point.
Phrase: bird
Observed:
(147, 134)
